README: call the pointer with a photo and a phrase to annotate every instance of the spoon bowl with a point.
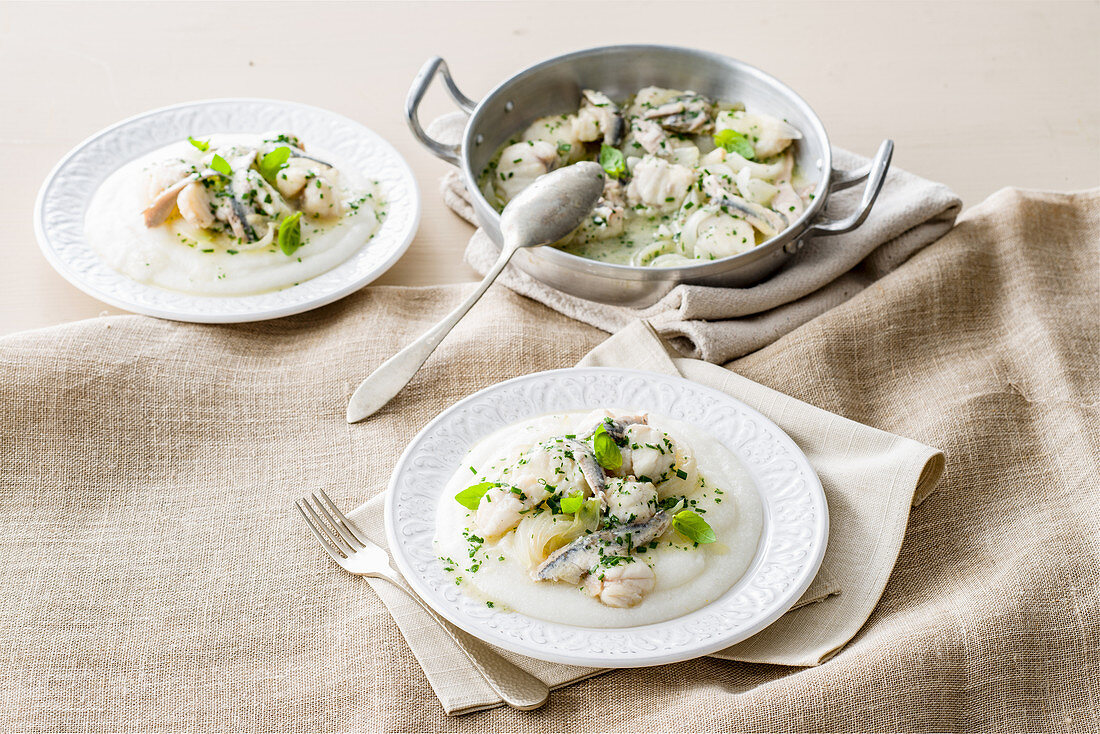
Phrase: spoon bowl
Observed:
(553, 206)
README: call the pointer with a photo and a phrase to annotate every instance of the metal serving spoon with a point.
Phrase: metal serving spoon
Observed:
(545, 212)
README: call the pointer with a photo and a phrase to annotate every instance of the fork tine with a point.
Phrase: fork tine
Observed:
(333, 535)
(345, 534)
(318, 533)
(363, 540)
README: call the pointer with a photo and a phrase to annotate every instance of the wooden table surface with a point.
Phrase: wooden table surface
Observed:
(977, 95)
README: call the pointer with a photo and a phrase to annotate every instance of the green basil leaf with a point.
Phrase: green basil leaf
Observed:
(611, 158)
(290, 233)
(271, 163)
(690, 525)
(203, 145)
(607, 451)
(470, 497)
(219, 165)
(735, 142)
(572, 503)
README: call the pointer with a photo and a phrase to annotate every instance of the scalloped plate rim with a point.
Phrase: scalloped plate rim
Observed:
(819, 541)
(62, 266)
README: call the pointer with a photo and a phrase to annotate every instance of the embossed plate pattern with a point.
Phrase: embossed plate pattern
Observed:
(787, 559)
(65, 195)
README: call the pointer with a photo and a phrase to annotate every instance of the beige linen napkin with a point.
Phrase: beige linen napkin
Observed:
(719, 324)
(870, 478)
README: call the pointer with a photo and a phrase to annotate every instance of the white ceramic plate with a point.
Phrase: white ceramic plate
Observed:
(63, 201)
(791, 547)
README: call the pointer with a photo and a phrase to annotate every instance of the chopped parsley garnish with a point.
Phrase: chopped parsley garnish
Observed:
(609, 561)
(203, 145)
(669, 502)
(553, 502)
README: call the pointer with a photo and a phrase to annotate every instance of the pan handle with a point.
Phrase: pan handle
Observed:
(875, 175)
(435, 65)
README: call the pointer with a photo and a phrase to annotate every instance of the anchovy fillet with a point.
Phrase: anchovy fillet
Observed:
(617, 428)
(238, 218)
(687, 113)
(590, 468)
(769, 222)
(608, 112)
(300, 154)
(573, 562)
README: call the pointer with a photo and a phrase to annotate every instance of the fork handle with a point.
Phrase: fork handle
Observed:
(518, 688)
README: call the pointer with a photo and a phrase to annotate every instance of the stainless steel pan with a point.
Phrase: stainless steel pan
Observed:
(554, 86)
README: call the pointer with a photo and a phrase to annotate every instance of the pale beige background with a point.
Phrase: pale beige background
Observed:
(977, 95)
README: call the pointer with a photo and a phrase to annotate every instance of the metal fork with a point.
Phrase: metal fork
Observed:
(357, 555)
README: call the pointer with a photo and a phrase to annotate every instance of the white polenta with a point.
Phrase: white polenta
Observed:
(181, 257)
(687, 577)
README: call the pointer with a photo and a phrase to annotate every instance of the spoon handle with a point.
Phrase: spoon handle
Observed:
(396, 372)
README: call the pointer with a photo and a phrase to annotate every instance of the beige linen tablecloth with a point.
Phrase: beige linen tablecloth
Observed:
(156, 577)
